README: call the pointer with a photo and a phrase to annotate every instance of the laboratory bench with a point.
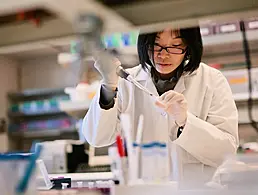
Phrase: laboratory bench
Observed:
(101, 187)
(146, 191)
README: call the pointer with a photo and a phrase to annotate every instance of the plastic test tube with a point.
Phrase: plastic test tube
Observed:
(79, 184)
(116, 166)
(147, 162)
(64, 185)
(91, 185)
(163, 162)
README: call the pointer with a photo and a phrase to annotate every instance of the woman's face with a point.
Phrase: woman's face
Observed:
(167, 61)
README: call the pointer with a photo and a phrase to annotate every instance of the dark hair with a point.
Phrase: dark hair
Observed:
(191, 37)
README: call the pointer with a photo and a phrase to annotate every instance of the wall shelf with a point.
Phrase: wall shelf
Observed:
(32, 93)
(34, 114)
(27, 115)
(43, 133)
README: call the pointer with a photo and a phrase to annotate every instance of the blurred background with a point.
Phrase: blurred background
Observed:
(44, 97)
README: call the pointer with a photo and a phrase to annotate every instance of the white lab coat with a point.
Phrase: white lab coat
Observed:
(211, 130)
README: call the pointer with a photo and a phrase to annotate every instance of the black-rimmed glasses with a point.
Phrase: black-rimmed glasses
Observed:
(170, 50)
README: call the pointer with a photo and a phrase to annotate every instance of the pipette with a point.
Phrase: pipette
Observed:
(125, 75)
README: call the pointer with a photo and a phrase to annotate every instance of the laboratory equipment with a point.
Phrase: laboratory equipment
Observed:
(126, 75)
(64, 185)
(23, 182)
(122, 161)
(99, 161)
(98, 156)
(155, 162)
(236, 173)
(79, 184)
(61, 183)
(136, 146)
(63, 156)
(85, 168)
(43, 172)
(148, 162)
(12, 169)
(17, 172)
(115, 163)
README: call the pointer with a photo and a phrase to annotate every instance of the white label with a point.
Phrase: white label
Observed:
(204, 31)
(228, 28)
(253, 24)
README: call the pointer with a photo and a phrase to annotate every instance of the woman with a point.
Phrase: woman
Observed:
(195, 109)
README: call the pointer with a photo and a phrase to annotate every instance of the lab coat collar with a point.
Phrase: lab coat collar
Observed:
(180, 86)
(145, 75)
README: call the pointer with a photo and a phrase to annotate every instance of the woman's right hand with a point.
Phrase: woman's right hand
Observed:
(106, 64)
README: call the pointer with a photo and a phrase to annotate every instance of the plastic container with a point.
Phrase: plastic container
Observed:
(237, 172)
(155, 162)
(148, 162)
(83, 92)
(163, 173)
(12, 170)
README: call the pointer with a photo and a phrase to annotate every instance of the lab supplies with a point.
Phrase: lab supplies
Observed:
(43, 170)
(122, 160)
(146, 162)
(137, 148)
(63, 156)
(154, 162)
(61, 183)
(64, 186)
(115, 164)
(119, 144)
(140, 129)
(126, 127)
(163, 172)
(12, 168)
(29, 170)
(80, 184)
(17, 172)
(125, 75)
(150, 166)
(238, 172)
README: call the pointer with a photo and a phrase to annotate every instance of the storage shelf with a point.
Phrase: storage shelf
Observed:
(218, 39)
(222, 38)
(76, 109)
(35, 93)
(20, 114)
(43, 133)
(244, 96)
(209, 41)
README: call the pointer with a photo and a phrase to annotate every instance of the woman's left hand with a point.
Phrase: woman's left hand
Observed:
(175, 105)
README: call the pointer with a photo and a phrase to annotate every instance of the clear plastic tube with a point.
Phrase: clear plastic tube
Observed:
(125, 75)
(163, 162)
(148, 162)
